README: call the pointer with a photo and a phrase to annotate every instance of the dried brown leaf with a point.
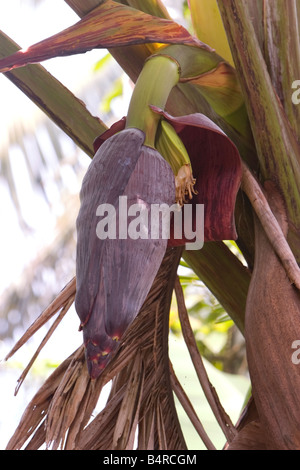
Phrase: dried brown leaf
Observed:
(36, 411)
(127, 421)
(188, 407)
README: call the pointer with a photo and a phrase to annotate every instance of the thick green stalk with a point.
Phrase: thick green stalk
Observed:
(156, 80)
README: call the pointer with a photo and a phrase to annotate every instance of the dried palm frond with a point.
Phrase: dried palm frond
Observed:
(141, 392)
(140, 411)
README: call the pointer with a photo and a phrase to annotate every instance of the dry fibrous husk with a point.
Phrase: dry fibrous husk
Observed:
(141, 392)
(59, 413)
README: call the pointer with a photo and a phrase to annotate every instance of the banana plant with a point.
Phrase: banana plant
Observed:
(212, 121)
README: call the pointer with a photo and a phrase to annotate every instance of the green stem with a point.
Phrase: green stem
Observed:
(156, 80)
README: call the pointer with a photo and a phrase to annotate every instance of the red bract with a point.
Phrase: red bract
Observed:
(115, 274)
(216, 166)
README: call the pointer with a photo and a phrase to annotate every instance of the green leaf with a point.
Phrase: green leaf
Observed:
(220, 88)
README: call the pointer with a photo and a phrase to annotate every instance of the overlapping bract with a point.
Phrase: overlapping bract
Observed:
(216, 166)
(114, 276)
